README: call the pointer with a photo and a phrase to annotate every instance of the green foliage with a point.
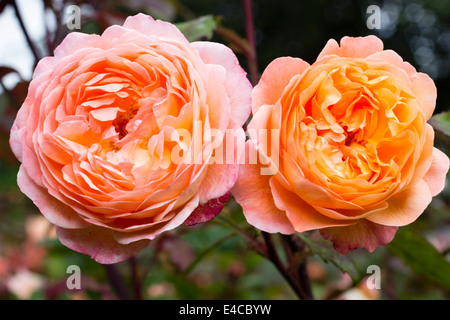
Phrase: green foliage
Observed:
(441, 122)
(198, 29)
(325, 250)
(421, 256)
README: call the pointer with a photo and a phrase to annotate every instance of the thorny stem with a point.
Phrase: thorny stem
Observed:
(294, 245)
(275, 259)
(250, 32)
(295, 281)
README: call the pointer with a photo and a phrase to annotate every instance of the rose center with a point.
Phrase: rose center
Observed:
(122, 119)
(350, 138)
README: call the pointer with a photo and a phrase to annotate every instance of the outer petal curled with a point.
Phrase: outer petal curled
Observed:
(363, 234)
(435, 176)
(274, 80)
(99, 243)
(238, 87)
(252, 191)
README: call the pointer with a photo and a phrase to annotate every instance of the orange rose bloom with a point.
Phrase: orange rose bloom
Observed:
(354, 154)
(104, 119)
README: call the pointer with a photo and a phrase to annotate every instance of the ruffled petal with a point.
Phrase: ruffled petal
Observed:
(274, 80)
(148, 26)
(53, 209)
(302, 216)
(352, 47)
(421, 84)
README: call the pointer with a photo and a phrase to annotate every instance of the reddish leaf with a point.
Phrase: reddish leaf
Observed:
(207, 211)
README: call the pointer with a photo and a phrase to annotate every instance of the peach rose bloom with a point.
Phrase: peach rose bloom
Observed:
(354, 155)
(102, 121)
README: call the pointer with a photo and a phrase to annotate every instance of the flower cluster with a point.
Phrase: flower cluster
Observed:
(129, 134)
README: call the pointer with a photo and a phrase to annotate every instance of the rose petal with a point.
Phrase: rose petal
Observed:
(54, 210)
(426, 91)
(105, 114)
(421, 84)
(149, 234)
(435, 177)
(353, 47)
(238, 88)
(253, 193)
(426, 157)
(274, 80)
(74, 41)
(99, 243)
(363, 234)
(302, 216)
(217, 99)
(310, 192)
(404, 207)
(15, 141)
(44, 65)
(147, 25)
(223, 172)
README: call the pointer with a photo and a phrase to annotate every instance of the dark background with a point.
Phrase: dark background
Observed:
(419, 31)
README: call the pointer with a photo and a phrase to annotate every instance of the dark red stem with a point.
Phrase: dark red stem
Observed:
(250, 32)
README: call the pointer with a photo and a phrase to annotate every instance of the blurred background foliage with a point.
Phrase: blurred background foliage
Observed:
(213, 261)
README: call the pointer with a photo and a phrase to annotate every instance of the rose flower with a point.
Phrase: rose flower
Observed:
(352, 155)
(103, 121)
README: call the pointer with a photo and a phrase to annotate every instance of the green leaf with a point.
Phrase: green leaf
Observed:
(324, 250)
(421, 256)
(441, 122)
(199, 28)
